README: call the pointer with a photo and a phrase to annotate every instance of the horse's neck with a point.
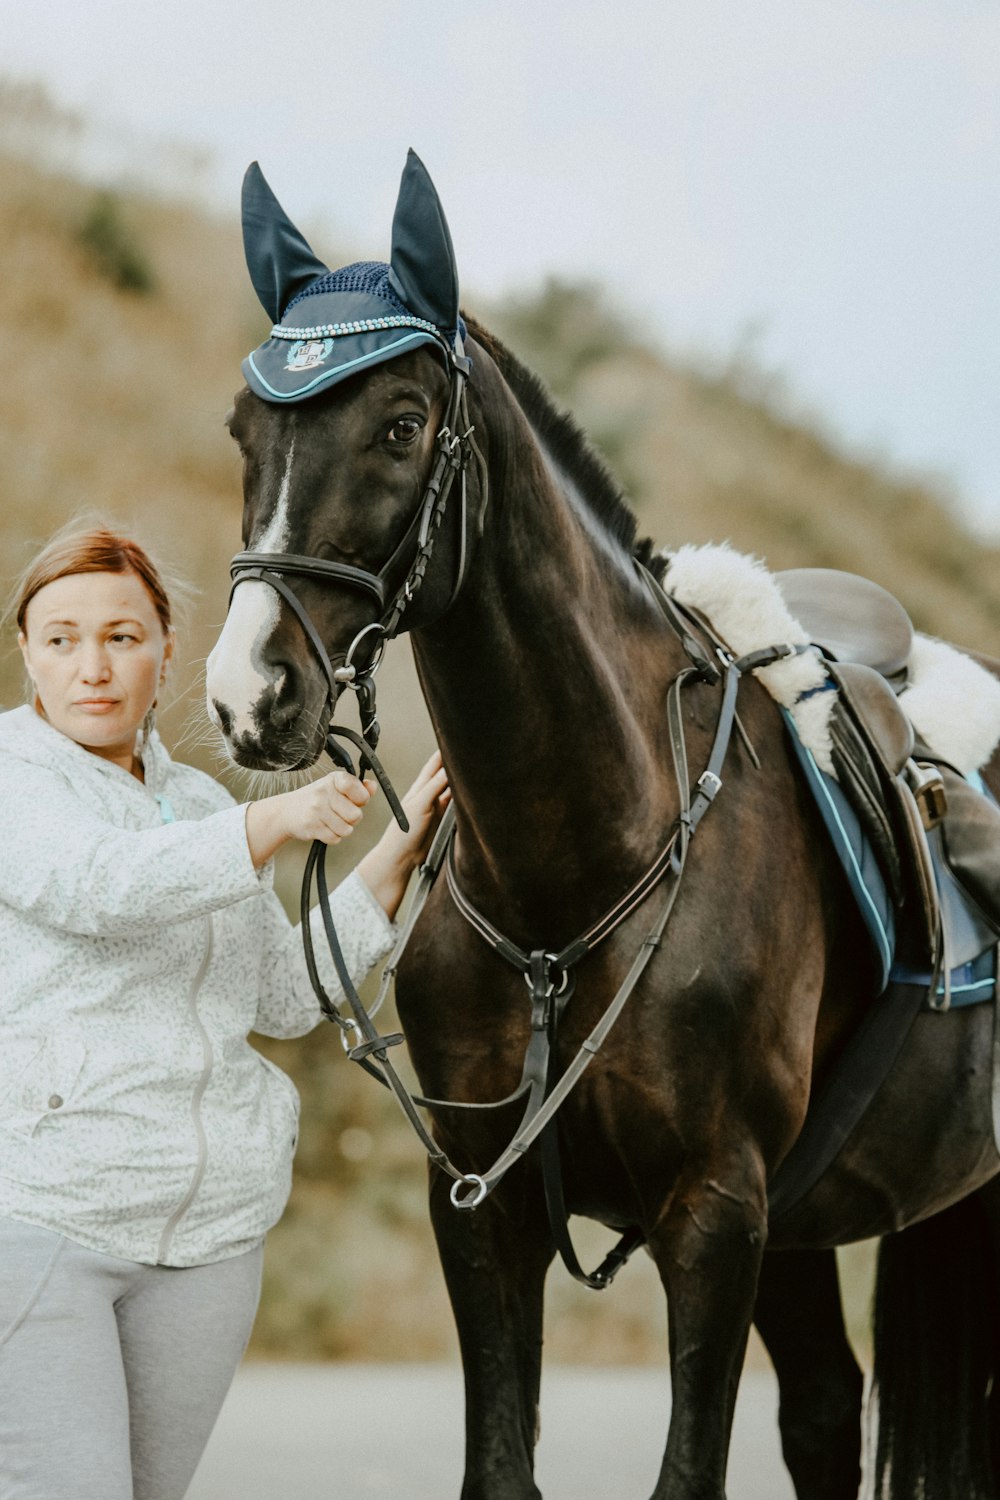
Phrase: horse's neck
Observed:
(547, 684)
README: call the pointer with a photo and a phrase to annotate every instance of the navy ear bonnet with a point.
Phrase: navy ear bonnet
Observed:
(329, 325)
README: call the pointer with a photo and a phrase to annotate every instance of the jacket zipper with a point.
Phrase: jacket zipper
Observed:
(208, 1059)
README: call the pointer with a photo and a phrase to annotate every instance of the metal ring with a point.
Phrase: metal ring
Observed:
(552, 988)
(346, 1041)
(564, 980)
(379, 650)
(473, 1180)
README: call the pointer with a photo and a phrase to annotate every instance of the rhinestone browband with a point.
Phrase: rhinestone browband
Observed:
(365, 325)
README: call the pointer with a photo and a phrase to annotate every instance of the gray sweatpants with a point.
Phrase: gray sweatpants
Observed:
(112, 1373)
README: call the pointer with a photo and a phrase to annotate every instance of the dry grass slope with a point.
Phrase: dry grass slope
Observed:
(115, 398)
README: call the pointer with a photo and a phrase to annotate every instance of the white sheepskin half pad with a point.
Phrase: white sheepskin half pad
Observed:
(744, 604)
(953, 704)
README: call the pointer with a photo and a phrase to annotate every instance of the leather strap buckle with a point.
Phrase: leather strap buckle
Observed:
(709, 785)
(928, 791)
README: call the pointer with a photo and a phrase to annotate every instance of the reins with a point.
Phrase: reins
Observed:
(550, 975)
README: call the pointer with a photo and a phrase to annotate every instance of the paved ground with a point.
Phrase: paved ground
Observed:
(349, 1432)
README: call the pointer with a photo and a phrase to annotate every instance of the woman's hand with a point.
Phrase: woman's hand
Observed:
(387, 869)
(329, 810)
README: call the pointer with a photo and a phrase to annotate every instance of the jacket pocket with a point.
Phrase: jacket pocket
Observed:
(39, 1078)
(287, 1093)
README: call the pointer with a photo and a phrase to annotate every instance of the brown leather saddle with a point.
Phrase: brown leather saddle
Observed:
(906, 796)
(854, 620)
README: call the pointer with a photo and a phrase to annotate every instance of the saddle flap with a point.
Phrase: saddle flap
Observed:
(970, 835)
(853, 619)
(872, 743)
(876, 710)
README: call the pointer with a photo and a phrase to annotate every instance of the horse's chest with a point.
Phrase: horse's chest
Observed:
(467, 1017)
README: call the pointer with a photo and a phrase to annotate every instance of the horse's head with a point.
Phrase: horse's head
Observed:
(339, 427)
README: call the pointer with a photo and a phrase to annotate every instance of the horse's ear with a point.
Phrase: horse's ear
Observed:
(422, 264)
(280, 262)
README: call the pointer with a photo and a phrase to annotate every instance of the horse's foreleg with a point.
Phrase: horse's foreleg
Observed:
(989, 1200)
(494, 1260)
(707, 1249)
(799, 1317)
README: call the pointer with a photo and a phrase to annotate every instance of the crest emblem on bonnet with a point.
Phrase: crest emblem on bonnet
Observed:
(328, 325)
(306, 354)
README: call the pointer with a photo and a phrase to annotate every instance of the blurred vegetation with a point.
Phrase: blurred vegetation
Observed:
(116, 251)
(116, 403)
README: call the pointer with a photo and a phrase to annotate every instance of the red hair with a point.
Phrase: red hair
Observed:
(97, 549)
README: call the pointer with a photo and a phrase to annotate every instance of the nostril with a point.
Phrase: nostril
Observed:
(286, 711)
(224, 716)
(287, 699)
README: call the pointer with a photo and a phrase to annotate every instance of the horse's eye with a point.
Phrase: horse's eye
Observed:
(404, 430)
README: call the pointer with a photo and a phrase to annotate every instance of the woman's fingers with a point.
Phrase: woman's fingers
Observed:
(358, 792)
(345, 799)
(427, 772)
(334, 805)
(430, 768)
(328, 809)
(424, 792)
(344, 808)
(388, 866)
(333, 829)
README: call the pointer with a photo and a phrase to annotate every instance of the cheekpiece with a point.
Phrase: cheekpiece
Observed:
(329, 325)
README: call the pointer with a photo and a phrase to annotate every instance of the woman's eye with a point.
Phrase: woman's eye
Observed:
(404, 430)
(123, 636)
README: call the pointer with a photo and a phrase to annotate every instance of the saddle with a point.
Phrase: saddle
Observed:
(854, 620)
(919, 813)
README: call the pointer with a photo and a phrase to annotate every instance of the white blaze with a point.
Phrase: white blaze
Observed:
(235, 674)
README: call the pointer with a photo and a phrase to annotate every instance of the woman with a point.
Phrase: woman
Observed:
(145, 1147)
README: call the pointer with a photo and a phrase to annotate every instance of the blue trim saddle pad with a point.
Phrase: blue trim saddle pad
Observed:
(975, 978)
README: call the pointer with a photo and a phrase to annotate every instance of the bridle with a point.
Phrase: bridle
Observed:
(550, 976)
(454, 445)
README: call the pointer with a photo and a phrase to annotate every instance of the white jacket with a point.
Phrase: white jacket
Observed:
(135, 956)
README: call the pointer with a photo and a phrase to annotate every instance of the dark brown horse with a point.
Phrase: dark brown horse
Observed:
(546, 679)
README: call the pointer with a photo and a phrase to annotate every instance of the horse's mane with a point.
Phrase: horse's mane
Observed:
(571, 449)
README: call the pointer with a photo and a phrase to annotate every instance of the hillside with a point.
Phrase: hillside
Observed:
(124, 321)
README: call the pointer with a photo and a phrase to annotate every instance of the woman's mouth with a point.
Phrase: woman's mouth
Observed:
(96, 705)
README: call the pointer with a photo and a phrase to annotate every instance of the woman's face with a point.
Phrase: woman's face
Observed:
(96, 652)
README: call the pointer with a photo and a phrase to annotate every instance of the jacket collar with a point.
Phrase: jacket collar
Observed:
(155, 758)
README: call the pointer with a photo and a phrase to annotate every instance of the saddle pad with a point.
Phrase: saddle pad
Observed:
(974, 976)
(854, 852)
(971, 983)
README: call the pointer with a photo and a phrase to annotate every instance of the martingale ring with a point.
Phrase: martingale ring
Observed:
(473, 1199)
(553, 988)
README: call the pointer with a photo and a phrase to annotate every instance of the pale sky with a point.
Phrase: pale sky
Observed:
(816, 177)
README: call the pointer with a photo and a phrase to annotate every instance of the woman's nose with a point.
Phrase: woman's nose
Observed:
(95, 666)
